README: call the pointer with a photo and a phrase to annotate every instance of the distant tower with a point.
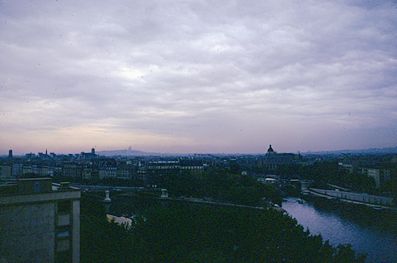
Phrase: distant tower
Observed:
(270, 150)
(46, 152)
(93, 150)
(10, 153)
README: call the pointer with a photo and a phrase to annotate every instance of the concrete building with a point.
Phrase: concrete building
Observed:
(27, 169)
(72, 170)
(124, 172)
(380, 176)
(5, 171)
(155, 170)
(107, 172)
(89, 155)
(17, 169)
(267, 180)
(272, 160)
(87, 173)
(39, 221)
(346, 166)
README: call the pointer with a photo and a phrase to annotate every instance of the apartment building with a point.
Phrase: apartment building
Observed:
(39, 221)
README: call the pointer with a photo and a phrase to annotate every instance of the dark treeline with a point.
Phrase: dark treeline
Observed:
(192, 233)
(324, 172)
(329, 172)
(221, 184)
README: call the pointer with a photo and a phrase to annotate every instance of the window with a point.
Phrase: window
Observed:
(64, 207)
(63, 234)
(36, 187)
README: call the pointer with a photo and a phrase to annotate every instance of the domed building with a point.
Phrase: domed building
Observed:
(270, 150)
(272, 160)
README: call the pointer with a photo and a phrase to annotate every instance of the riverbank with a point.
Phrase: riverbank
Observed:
(363, 199)
(367, 230)
(385, 219)
(199, 232)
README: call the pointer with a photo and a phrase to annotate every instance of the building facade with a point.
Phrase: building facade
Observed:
(380, 176)
(39, 222)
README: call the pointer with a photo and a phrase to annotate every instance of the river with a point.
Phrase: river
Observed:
(371, 238)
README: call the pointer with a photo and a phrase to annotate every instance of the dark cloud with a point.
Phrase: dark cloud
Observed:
(198, 75)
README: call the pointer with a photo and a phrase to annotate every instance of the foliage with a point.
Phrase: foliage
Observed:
(324, 172)
(192, 233)
(221, 185)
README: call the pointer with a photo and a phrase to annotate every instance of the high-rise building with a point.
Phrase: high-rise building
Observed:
(39, 221)
(10, 153)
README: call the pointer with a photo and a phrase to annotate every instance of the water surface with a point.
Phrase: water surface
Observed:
(379, 244)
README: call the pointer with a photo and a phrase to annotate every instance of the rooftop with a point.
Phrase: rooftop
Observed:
(34, 185)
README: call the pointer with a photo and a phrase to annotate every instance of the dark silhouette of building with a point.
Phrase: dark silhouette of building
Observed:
(273, 160)
(89, 155)
(10, 153)
(270, 150)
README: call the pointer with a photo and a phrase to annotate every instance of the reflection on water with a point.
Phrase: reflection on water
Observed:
(380, 245)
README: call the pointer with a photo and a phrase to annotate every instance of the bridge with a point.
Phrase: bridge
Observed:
(107, 189)
(204, 201)
(103, 188)
(120, 190)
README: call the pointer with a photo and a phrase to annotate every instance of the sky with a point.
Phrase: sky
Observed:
(225, 76)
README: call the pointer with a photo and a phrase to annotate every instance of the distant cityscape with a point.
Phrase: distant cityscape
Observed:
(146, 169)
(40, 193)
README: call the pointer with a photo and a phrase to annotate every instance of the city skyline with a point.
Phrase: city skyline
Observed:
(200, 76)
(138, 152)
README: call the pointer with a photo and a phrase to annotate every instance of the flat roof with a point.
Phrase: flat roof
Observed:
(34, 178)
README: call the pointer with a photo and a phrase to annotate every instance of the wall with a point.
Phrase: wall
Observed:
(27, 232)
(359, 197)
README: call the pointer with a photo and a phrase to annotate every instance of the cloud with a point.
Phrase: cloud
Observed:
(224, 76)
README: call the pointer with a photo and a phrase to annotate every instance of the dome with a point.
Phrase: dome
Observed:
(270, 150)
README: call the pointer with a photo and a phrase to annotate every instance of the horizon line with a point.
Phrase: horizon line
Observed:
(210, 153)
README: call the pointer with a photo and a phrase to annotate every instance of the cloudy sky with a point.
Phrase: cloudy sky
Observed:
(197, 76)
